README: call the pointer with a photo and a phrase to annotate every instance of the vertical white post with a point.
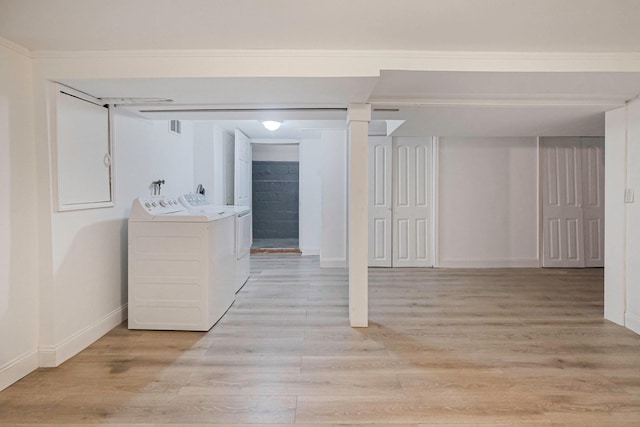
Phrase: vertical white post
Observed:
(615, 215)
(358, 118)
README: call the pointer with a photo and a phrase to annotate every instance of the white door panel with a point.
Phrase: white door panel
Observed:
(573, 202)
(400, 193)
(563, 244)
(380, 202)
(411, 202)
(593, 203)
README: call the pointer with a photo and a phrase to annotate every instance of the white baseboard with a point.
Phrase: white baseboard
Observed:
(632, 322)
(52, 356)
(611, 314)
(310, 252)
(333, 263)
(18, 368)
(489, 263)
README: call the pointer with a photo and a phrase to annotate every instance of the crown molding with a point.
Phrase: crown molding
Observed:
(15, 47)
(323, 53)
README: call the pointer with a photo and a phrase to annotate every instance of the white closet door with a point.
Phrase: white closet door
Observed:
(562, 213)
(412, 189)
(593, 201)
(380, 203)
(243, 170)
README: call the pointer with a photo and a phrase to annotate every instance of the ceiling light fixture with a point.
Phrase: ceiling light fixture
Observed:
(271, 125)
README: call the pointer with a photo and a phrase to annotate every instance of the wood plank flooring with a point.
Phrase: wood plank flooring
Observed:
(499, 347)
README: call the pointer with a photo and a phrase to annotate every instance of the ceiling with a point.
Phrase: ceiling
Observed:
(450, 25)
(431, 102)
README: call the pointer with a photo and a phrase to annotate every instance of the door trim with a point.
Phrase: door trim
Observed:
(435, 200)
(540, 204)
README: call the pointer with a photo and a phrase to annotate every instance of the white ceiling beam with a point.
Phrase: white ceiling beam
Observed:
(497, 102)
(310, 63)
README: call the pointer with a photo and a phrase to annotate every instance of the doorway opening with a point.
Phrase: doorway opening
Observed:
(276, 198)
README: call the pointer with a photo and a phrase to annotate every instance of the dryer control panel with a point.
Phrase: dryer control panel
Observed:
(193, 200)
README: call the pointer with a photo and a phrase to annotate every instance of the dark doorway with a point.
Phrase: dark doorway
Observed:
(275, 205)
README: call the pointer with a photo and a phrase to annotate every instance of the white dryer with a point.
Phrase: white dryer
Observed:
(181, 265)
(244, 240)
(197, 203)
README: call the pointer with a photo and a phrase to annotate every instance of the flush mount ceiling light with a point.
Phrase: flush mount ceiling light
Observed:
(271, 125)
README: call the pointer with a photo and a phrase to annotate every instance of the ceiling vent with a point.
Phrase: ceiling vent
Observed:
(175, 126)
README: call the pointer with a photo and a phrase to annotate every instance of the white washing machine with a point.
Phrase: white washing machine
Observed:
(181, 265)
(243, 236)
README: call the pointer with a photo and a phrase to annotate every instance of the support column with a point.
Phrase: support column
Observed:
(615, 215)
(358, 118)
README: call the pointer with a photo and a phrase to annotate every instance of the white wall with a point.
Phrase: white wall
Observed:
(488, 202)
(275, 152)
(204, 154)
(18, 234)
(333, 249)
(146, 151)
(85, 290)
(310, 196)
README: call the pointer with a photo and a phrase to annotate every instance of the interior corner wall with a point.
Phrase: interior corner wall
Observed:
(18, 224)
(310, 196)
(488, 202)
(86, 287)
(333, 246)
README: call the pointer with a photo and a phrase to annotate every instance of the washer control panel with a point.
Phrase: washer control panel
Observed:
(160, 205)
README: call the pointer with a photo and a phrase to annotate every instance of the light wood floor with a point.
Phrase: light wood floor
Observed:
(445, 347)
